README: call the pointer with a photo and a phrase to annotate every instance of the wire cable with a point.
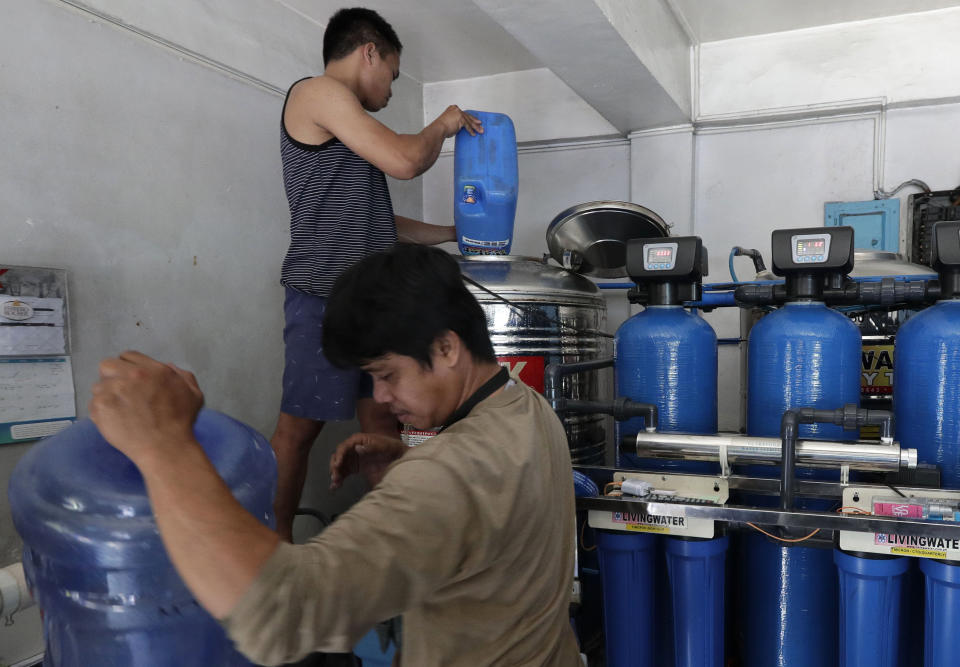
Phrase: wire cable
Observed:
(853, 510)
(882, 194)
(583, 528)
(607, 486)
(783, 539)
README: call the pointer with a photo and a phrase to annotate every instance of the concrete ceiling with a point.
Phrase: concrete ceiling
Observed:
(641, 47)
(627, 59)
(460, 39)
(442, 40)
(713, 20)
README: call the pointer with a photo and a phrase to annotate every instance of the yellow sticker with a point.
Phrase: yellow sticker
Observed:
(644, 528)
(922, 553)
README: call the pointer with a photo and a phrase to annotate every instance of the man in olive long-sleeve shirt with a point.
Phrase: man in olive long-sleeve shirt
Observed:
(469, 536)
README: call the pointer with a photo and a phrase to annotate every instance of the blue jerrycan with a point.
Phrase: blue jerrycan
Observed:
(485, 184)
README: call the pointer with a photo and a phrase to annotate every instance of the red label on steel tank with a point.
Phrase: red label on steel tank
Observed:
(528, 369)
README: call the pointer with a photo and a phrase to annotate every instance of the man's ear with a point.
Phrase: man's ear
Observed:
(369, 51)
(446, 349)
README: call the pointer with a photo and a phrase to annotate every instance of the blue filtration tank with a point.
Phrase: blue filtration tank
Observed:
(667, 355)
(802, 355)
(927, 388)
(93, 557)
(926, 397)
(485, 186)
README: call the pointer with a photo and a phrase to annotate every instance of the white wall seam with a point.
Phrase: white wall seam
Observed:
(780, 123)
(658, 131)
(550, 147)
(879, 150)
(156, 40)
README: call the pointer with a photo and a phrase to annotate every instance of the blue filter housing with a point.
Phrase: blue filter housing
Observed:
(941, 641)
(789, 598)
(870, 590)
(626, 567)
(485, 186)
(95, 562)
(802, 355)
(697, 575)
(667, 356)
(927, 388)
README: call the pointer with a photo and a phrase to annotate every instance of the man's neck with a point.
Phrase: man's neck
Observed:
(479, 375)
(344, 70)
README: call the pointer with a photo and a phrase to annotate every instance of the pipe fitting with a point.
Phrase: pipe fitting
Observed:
(14, 593)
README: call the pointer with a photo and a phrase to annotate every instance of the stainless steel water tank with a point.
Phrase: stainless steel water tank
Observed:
(539, 314)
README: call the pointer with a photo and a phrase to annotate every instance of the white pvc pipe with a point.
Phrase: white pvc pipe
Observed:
(14, 594)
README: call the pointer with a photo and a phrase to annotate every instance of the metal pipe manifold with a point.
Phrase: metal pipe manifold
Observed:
(742, 449)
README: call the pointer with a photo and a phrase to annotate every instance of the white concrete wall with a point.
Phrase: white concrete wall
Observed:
(903, 59)
(661, 171)
(542, 107)
(155, 181)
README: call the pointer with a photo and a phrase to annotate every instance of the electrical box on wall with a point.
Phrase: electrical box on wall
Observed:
(923, 211)
(876, 223)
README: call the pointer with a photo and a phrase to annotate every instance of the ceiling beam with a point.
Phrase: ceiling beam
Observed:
(628, 60)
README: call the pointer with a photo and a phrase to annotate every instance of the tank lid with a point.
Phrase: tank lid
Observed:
(591, 238)
(882, 263)
(516, 274)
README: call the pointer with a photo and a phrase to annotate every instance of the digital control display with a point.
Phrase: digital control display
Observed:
(660, 257)
(810, 248)
(656, 254)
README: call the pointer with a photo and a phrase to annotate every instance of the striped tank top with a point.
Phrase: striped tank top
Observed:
(340, 211)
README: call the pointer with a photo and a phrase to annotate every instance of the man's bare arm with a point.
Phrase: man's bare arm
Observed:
(414, 231)
(332, 106)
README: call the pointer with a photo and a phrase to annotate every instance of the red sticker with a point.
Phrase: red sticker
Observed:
(528, 369)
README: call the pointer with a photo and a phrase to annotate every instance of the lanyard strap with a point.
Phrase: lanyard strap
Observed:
(490, 386)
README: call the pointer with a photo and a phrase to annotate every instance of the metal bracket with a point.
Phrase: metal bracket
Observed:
(724, 461)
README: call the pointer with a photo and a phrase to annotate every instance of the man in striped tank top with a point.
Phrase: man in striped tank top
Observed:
(335, 155)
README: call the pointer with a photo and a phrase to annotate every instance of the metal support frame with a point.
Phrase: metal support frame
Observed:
(793, 519)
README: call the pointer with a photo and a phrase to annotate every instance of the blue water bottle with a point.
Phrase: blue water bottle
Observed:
(485, 186)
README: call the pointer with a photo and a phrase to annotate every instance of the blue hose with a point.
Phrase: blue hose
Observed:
(583, 486)
(733, 274)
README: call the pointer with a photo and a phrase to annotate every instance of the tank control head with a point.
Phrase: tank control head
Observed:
(811, 258)
(946, 258)
(668, 270)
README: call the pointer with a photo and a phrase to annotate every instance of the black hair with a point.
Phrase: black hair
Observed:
(350, 28)
(400, 301)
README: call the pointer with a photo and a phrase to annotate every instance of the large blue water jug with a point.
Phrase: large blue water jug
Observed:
(485, 185)
(95, 562)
